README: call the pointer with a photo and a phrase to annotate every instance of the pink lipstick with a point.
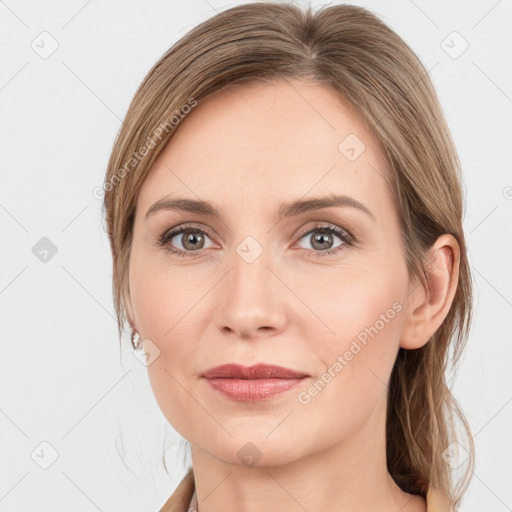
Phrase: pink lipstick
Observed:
(252, 383)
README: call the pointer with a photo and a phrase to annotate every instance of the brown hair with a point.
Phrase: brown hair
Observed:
(376, 72)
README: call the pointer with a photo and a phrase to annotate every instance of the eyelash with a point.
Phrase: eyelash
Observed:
(347, 239)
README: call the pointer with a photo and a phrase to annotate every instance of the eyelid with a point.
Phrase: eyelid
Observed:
(184, 226)
(322, 224)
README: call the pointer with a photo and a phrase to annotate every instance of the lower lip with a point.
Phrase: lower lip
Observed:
(252, 390)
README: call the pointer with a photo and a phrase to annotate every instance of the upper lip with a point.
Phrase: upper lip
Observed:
(255, 371)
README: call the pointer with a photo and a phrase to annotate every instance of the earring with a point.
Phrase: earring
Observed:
(136, 340)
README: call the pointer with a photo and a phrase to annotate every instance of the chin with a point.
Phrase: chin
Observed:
(255, 451)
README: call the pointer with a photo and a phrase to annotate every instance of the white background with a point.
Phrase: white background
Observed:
(63, 377)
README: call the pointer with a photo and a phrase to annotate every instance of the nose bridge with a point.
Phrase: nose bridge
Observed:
(250, 275)
(249, 297)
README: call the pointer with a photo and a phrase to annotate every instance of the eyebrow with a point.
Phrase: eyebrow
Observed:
(285, 210)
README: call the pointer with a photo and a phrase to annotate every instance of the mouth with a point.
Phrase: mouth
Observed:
(252, 383)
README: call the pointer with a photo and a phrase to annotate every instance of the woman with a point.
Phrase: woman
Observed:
(284, 207)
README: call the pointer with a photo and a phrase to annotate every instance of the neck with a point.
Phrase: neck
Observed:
(350, 476)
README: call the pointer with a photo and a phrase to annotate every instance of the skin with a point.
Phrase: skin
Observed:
(247, 150)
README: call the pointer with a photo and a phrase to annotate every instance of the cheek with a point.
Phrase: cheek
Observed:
(160, 296)
(163, 303)
(364, 317)
(354, 362)
(166, 314)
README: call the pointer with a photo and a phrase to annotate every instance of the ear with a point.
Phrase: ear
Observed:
(428, 306)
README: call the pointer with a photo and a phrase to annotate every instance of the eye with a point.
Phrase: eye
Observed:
(189, 239)
(323, 239)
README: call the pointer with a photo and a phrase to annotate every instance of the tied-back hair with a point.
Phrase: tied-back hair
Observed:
(349, 49)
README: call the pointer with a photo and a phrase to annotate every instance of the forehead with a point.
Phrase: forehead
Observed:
(286, 139)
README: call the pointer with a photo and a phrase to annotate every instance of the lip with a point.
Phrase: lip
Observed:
(252, 383)
(256, 371)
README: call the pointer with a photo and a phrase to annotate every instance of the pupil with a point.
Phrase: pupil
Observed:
(321, 239)
(192, 239)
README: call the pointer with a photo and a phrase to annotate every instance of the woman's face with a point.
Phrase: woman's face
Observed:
(253, 287)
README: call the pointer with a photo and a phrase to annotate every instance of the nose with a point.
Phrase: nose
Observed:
(250, 299)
